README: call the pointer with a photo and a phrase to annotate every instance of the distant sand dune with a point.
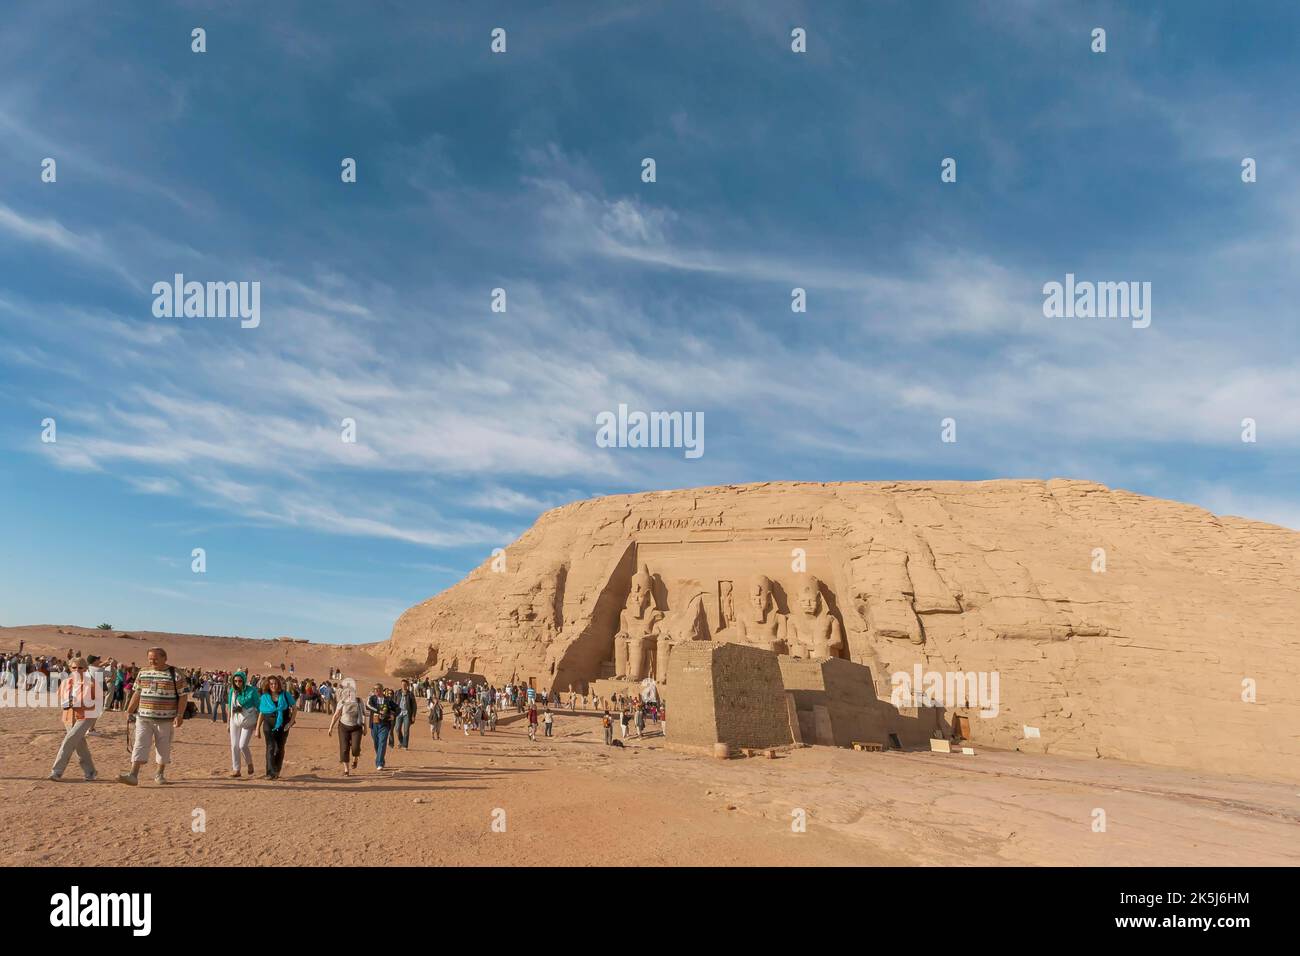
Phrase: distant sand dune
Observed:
(199, 650)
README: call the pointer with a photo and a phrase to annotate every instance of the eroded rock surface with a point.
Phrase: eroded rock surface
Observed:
(1146, 660)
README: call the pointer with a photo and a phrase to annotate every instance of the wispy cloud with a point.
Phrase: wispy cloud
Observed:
(775, 172)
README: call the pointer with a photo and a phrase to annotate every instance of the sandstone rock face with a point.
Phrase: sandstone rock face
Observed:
(1118, 625)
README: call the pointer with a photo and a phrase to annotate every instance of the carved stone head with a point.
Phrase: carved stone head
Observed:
(642, 593)
(810, 596)
(760, 597)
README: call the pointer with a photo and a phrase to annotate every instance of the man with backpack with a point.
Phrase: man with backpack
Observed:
(158, 701)
(608, 723)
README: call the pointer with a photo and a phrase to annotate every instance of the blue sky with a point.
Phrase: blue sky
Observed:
(522, 171)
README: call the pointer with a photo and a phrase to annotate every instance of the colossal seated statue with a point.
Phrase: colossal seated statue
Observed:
(638, 630)
(813, 630)
(760, 624)
(690, 622)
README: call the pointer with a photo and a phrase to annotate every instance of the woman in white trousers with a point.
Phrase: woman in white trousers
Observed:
(243, 720)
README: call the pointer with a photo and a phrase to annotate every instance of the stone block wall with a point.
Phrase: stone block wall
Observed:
(749, 698)
(836, 704)
(725, 693)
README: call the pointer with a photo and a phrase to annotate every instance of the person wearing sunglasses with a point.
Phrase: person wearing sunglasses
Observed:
(78, 698)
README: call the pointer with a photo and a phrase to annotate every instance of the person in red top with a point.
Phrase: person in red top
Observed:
(532, 722)
(79, 698)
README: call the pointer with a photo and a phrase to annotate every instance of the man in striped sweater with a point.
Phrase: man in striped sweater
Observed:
(158, 702)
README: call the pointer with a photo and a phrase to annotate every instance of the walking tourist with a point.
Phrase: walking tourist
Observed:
(78, 695)
(405, 711)
(349, 717)
(435, 718)
(276, 713)
(158, 700)
(202, 694)
(220, 698)
(379, 708)
(243, 700)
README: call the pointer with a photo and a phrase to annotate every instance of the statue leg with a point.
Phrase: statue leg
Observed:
(661, 660)
(620, 656)
(636, 654)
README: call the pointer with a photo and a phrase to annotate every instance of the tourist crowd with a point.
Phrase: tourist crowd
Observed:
(158, 697)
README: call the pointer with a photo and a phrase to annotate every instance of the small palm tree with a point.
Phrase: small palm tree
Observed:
(105, 627)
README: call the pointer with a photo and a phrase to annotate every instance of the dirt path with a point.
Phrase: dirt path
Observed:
(435, 807)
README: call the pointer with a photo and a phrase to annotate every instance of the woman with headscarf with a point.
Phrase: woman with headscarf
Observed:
(242, 700)
(349, 717)
(275, 717)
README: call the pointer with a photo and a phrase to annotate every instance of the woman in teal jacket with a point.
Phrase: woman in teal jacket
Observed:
(275, 717)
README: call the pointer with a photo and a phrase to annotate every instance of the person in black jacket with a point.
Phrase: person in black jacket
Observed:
(404, 705)
(381, 713)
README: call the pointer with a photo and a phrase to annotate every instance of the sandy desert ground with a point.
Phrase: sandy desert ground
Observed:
(572, 800)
